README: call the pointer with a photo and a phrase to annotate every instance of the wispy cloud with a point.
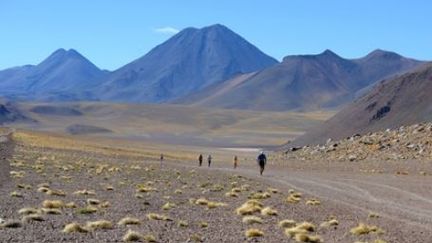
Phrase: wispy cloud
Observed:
(167, 30)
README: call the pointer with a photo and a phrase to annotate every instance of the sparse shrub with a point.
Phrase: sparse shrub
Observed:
(100, 224)
(74, 228)
(254, 233)
(53, 204)
(287, 223)
(267, 211)
(132, 236)
(249, 207)
(129, 220)
(252, 220)
(33, 217)
(87, 210)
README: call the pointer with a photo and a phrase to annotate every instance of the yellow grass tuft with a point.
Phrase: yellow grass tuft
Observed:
(313, 202)
(27, 211)
(329, 223)
(85, 192)
(33, 217)
(183, 223)
(129, 220)
(87, 210)
(53, 204)
(168, 206)
(268, 211)
(16, 194)
(252, 220)
(287, 223)
(132, 236)
(149, 238)
(260, 195)
(70, 205)
(54, 211)
(307, 238)
(254, 233)
(75, 228)
(92, 201)
(273, 190)
(294, 197)
(154, 216)
(100, 224)
(58, 193)
(373, 215)
(249, 207)
(203, 224)
(303, 228)
(231, 194)
(363, 229)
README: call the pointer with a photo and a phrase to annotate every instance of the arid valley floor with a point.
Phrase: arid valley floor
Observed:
(75, 189)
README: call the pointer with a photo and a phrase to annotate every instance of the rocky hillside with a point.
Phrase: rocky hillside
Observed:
(403, 143)
(395, 102)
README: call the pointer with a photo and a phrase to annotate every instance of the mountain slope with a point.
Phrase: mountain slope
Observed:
(403, 100)
(63, 74)
(304, 82)
(189, 61)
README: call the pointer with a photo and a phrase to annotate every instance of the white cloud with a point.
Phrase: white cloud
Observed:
(167, 30)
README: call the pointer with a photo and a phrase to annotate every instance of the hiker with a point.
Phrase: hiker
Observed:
(209, 158)
(235, 160)
(262, 160)
(161, 159)
(200, 159)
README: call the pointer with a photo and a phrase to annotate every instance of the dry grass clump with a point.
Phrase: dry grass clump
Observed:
(53, 204)
(85, 192)
(27, 211)
(363, 229)
(17, 174)
(202, 201)
(87, 210)
(100, 224)
(268, 211)
(75, 228)
(203, 224)
(303, 228)
(273, 190)
(329, 223)
(145, 189)
(178, 191)
(209, 204)
(260, 195)
(373, 215)
(231, 194)
(149, 238)
(313, 202)
(132, 236)
(250, 207)
(294, 197)
(254, 233)
(154, 216)
(58, 193)
(129, 220)
(53, 211)
(252, 220)
(236, 189)
(307, 238)
(183, 223)
(109, 188)
(24, 186)
(70, 205)
(92, 201)
(11, 224)
(105, 204)
(33, 217)
(168, 206)
(287, 223)
(16, 194)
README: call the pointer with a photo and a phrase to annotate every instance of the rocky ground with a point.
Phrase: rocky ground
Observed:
(92, 195)
(406, 143)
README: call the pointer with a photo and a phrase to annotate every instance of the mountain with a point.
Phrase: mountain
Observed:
(392, 103)
(63, 75)
(303, 82)
(187, 62)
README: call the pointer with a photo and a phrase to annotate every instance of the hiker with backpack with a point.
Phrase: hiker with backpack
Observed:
(209, 160)
(200, 159)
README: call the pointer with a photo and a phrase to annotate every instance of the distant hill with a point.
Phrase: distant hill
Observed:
(303, 82)
(10, 113)
(64, 75)
(392, 103)
(187, 62)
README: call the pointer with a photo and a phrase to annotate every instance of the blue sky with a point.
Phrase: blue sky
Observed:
(112, 33)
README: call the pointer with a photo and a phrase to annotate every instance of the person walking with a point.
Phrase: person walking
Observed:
(209, 160)
(161, 159)
(262, 161)
(200, 159)
(235, 160)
